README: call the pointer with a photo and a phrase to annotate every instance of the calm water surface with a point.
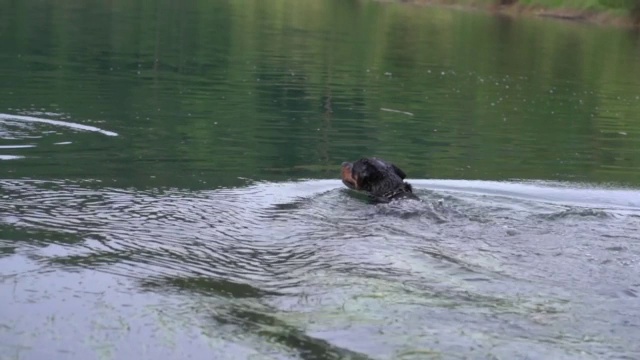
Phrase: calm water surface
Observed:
(168, 183)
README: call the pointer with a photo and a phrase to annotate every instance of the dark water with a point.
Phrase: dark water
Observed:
(168, 183)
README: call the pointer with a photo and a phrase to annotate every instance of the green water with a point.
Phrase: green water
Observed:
(215, 90)
(169, 182)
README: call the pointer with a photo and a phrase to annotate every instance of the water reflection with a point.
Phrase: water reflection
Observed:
(276, 97)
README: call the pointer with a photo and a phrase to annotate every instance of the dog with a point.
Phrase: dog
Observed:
(381, 180)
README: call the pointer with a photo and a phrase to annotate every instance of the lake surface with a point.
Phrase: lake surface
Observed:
(169, 183)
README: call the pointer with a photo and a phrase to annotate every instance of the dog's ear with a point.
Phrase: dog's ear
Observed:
(399, 172)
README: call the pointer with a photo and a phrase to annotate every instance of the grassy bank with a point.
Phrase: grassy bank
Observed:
(611, 12)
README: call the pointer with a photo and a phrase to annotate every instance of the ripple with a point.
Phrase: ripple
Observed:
(220, 234)
(286, 245)
(574, 213)
(16, 146)
(10, 157)
(76, 126)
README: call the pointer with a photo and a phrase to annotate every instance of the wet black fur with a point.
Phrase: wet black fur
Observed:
(381, 180)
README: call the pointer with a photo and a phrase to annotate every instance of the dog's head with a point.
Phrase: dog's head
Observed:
(380, 179)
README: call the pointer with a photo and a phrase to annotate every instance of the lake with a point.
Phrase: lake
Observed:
(169, 182)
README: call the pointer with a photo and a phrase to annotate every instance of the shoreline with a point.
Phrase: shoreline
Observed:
(618, 18)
